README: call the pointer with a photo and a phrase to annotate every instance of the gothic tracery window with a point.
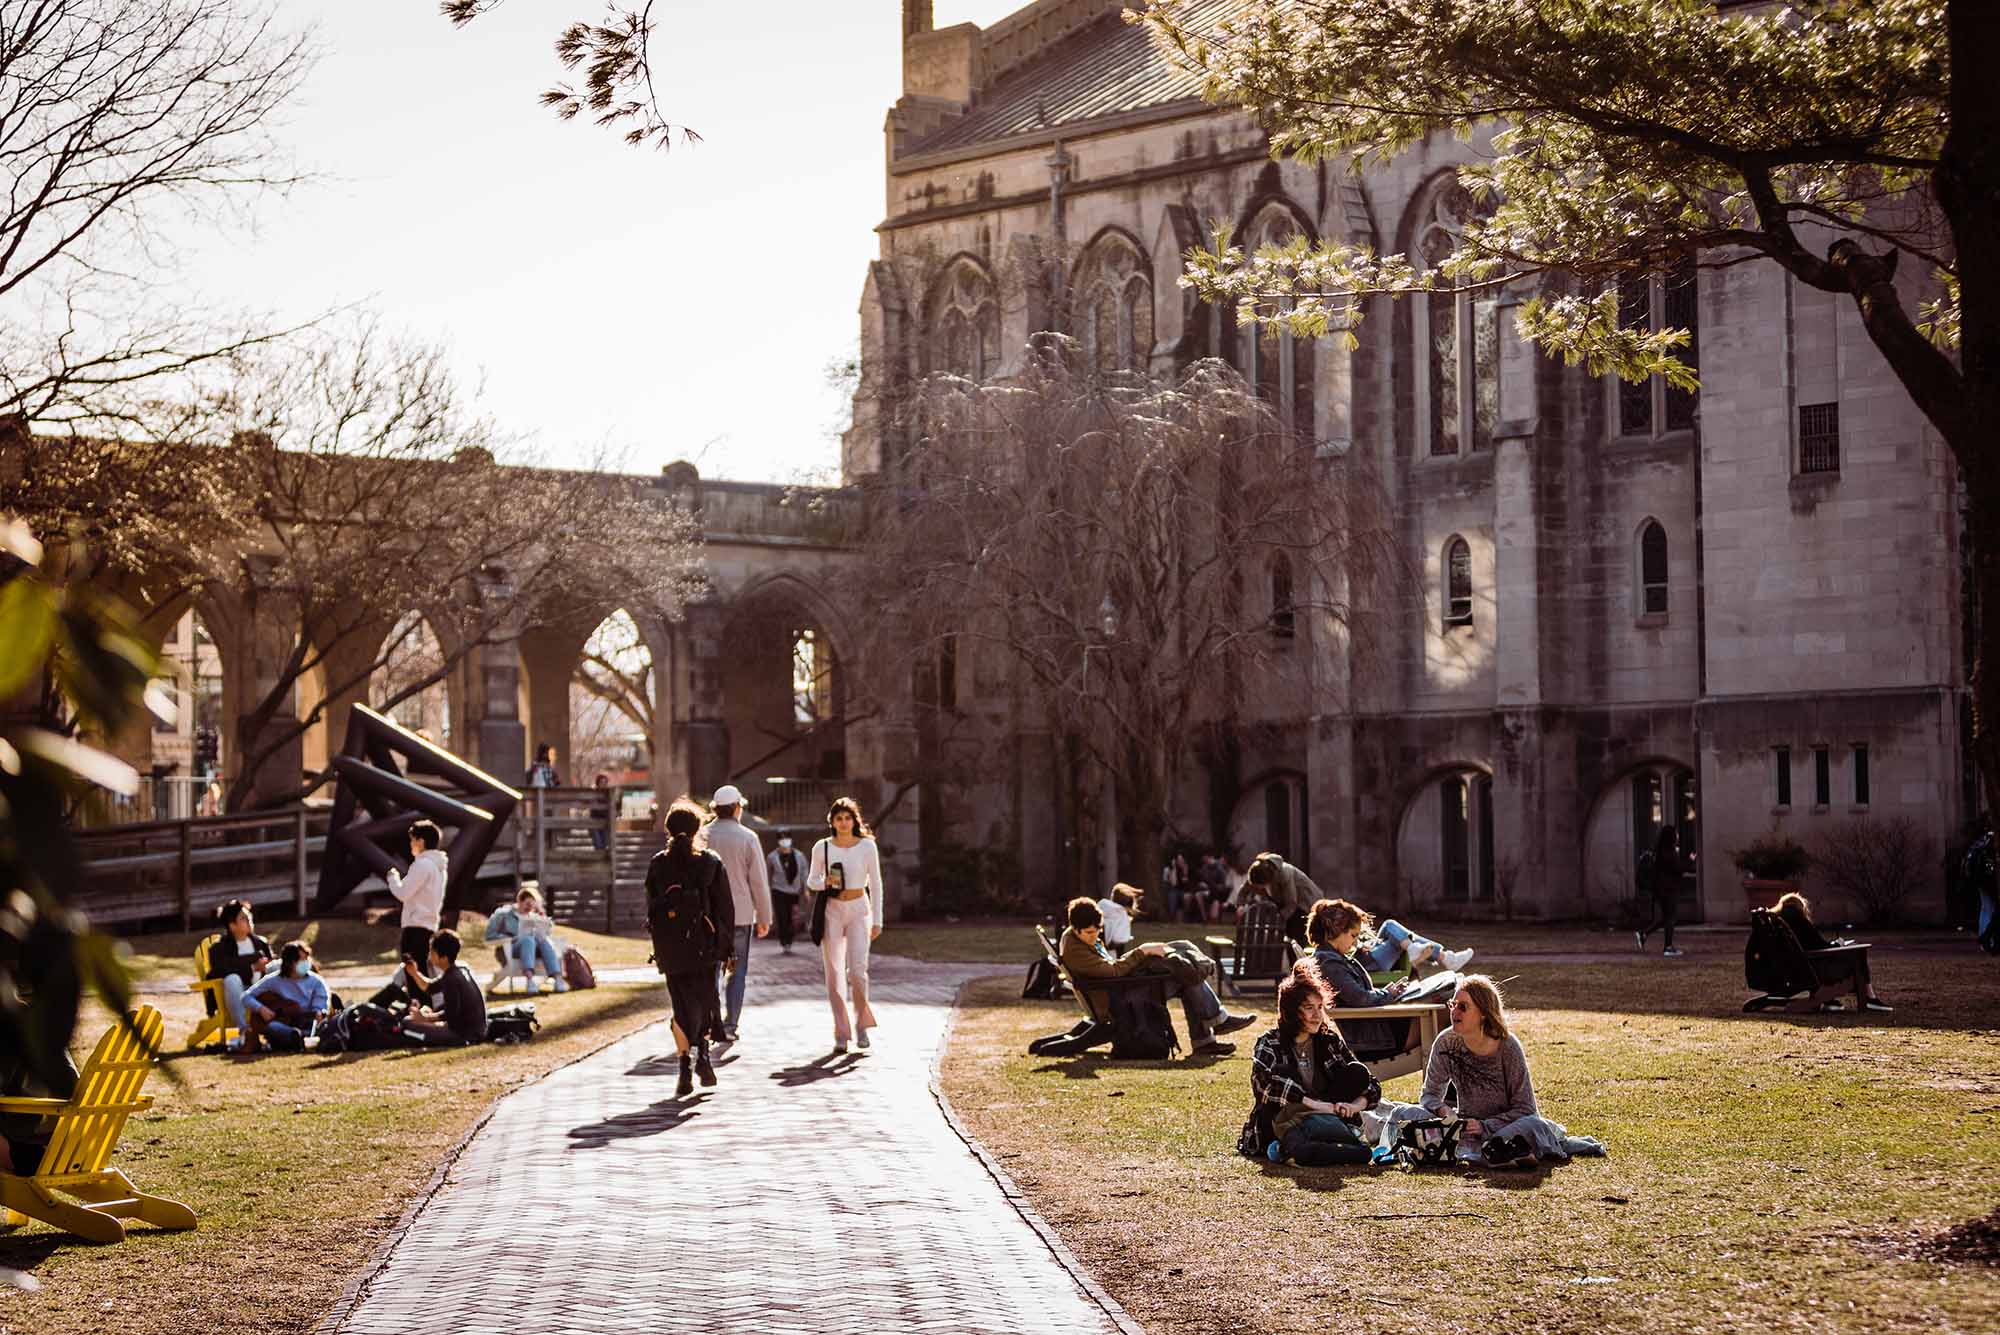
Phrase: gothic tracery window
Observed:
(1115, 306)
(964, 324)
(1458, 340)
(1279, 366)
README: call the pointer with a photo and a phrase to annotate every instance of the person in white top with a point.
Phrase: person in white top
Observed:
(422, 890)
(742, 855)
(1118, 909)
(846, 881)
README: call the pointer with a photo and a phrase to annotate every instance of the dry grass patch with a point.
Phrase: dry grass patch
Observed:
(296, 1165)
(1757, 1164)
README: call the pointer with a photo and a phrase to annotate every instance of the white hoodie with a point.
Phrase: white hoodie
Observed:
(422, 892)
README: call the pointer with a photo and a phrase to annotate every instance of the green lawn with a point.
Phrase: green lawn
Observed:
(1768, 1173)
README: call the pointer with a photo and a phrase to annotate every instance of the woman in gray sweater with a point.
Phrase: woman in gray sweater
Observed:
(1481, 1061)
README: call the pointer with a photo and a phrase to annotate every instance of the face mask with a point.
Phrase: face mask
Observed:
(301, 969)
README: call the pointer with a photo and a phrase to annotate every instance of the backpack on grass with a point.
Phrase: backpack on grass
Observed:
(1045, 982)
(512, 1024)
(363, 1027)
(576, 970)
(1141, 1029)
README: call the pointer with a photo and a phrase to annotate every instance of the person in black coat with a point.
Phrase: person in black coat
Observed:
(1796, 910)
(238, 957)
(691, 914)
(1662, 882)
(1334, 927)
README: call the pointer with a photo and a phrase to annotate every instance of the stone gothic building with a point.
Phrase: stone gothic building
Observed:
(1721, 612)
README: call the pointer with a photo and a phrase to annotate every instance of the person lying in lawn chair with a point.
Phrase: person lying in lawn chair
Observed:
(1334, 927)
(1308, 1091)
(1796, 910)
(281, 1008)
(1085, 956)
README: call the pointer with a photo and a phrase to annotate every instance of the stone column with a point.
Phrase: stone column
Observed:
(494, 737)
(704, 736)
(549, 657)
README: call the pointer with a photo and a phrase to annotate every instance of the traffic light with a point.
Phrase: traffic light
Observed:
(207, 749)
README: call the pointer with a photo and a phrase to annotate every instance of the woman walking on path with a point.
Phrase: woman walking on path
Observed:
(846, 881)
(692, 917)
(1663, 883)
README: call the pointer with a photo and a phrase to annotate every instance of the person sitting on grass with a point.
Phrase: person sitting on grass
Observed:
(1118, 909)
(1796, 910)
(1308, 1090)
(1085, 956)
(456, 1014)
(1483, 1063)
(1334, 927)
(527, 926)
(238, 957)
(281, 1008)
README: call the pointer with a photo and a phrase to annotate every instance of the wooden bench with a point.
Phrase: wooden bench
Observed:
(1429, 1019)
(1791, 976)
(85, 1132)
(1258, 952)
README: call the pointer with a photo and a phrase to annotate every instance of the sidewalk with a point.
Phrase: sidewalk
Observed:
(805, 1193)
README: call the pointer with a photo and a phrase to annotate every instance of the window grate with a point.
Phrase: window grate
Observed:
(1819, 438)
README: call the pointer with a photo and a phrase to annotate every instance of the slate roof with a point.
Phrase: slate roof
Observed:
(1107, 69)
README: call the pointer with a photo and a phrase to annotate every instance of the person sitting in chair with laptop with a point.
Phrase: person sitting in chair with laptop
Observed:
(1796, 910)
(1084, 954)
(1335, 927)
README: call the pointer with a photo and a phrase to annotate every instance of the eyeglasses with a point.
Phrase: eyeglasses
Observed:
(1461, 1005)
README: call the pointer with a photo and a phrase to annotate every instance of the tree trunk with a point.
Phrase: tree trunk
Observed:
(1969, 189)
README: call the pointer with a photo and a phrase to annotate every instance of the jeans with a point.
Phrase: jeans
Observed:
(1392, 939)
(1322, 1139)
(1666, 908)
(844, 950)
(1191, 971)
(233, 988)
(733, 998)
(530, 949)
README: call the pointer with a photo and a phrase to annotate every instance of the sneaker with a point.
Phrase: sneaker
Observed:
(861, 1039)
(685, 1085)
(1274, 1152)
(1877, 1005)
(1639, 940)
(1215, 1047)
(1229, 1024)
(534, 986)
(839, 1047)
(1672, 953)
(1832, 1007)
(562, 984)
(703, 1069)
(1456, 960)
(784, 949)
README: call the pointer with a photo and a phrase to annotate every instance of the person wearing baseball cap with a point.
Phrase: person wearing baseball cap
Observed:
(742, 855)
(788, 879)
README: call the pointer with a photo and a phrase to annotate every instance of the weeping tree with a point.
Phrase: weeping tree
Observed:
(1138, 552)
(1628, 137)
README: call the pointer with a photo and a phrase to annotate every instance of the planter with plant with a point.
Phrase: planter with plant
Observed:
(1772, 865)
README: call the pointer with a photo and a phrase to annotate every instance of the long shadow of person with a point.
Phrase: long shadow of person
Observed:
(819, 1068)
(649, 1121)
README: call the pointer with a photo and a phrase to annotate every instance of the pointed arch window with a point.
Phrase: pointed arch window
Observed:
(1457, 583)
(964, 324)
(1458, 340)
(1279, 366)
(1284, 615)
(1653, 572)
(1115, 306)
(1649, 302)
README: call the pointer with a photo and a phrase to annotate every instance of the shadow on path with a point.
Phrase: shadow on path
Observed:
(819, 1068)
(662, 1116)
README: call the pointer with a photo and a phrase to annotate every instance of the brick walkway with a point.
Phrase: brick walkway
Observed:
(806, 1193)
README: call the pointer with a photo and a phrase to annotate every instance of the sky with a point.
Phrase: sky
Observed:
(662, 306)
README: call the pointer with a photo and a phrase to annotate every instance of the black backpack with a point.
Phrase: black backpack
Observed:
(512, 1024)
(677, 916)
(364, 1027)
(1141, 1029)
(1430, 1141)
(1045, 982)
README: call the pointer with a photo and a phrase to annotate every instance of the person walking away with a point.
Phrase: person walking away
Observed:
(846, 880)
(1663, 885)
(456, 1011)
(742, 857)
(421, 890)
(786, 871)
(691, 916)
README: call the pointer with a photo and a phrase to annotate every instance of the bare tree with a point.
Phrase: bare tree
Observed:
(1139, 551)
(120, 117)
(614, 676)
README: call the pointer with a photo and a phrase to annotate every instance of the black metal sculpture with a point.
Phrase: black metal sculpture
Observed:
(468, 803)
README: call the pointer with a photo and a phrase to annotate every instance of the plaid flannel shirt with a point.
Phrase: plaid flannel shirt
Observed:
(1275, 1080)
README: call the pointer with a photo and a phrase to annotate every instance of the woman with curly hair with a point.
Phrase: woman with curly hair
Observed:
(1309, 1091)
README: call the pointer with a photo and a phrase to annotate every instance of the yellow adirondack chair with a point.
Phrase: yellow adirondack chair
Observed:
(215, 1024)
(87, 1126)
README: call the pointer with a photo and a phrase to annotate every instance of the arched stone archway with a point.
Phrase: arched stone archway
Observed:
(1624, 820)
(1445, 850)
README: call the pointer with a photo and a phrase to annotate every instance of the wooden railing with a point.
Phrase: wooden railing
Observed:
(188, 868)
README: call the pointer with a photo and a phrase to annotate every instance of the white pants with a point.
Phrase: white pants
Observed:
(844, 947)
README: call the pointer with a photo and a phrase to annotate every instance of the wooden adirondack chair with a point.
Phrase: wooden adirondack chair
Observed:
(1095, 1028)
(1791, 976)
(87, 1125)
(1257, 953)
(215, 1024)
(1416, 1050)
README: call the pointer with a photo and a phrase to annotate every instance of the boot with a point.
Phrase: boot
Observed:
(685, 1085)
(703, 1069)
